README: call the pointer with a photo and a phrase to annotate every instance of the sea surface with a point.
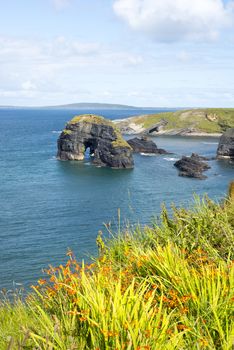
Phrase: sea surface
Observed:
(48, 206)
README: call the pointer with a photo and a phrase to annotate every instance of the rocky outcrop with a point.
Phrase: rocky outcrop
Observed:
(193, 166)
(101, 136)
(156, 128)
(144, 145)
(226, 145)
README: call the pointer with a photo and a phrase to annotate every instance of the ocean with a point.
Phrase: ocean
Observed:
(48, 206)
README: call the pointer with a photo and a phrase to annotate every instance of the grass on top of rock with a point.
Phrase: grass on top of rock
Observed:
(120, 141)
(210, 120)
(166, 286)
(90, 118)
(67, 131)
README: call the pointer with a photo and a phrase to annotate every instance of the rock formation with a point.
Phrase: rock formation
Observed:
(101, 136)
(193, 166)
(226, 145)
(144, 145)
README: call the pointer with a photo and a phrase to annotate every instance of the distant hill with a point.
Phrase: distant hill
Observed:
(84, 105)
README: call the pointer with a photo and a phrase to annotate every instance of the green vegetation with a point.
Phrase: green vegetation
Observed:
(90, 118)
(67, 131)
(168, 286)
(211, 120)
(119, 142)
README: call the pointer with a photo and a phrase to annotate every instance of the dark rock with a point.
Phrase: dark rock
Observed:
(144, 145)
(193, 166)
(101, 136)
(199, 158)
(226, 145)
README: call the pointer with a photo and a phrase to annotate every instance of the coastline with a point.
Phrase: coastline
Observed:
(128, 127)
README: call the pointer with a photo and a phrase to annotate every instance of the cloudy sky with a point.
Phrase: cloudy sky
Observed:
(162, 53)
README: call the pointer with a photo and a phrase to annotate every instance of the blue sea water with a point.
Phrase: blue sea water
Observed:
(47, 205)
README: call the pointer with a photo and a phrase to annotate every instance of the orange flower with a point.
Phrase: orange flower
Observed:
(147, 333)
(71, 291)
(184, 310)
(182, 327)
(41, 282)
(74, 312)
(52, 278)
(35, 287)
(82, 319)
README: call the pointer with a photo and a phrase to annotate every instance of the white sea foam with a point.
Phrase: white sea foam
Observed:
(148, 154)
(56, 132)
(171, 159)
(210, 143)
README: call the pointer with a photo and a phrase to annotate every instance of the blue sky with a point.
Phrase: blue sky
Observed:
(162, 53)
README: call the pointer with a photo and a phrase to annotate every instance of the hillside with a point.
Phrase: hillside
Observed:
(166, 286)
(186, 122)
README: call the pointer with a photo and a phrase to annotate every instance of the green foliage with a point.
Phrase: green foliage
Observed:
(67, 131)
(169, 286)
(90, 118)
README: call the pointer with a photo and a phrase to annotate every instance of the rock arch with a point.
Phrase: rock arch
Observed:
(101, 136)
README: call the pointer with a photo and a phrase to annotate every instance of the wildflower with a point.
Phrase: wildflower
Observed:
(147, 333)
(82, 319)
(35, 287)
(41, 282)
(71, 291)
(109, 333)
(182, 327)
(74, 312)
(184, 310)
(169, 331)
(52, 278)
(203, 342)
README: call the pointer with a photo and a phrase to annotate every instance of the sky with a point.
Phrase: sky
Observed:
(158, 53)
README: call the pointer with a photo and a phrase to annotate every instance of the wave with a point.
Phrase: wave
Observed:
(171, 159)
(148, 154)
(56, 132)
(210, 143)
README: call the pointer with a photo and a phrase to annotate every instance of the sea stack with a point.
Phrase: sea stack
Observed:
(145, 145)
(101, 136)
(226, 145)
(193, 166)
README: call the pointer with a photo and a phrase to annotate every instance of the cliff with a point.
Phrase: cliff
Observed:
(226, 145)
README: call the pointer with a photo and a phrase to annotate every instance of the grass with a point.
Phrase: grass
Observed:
(90, 118)
(210, 120)
(166, 286)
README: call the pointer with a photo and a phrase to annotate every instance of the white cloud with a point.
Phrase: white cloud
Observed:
(172, 20)
(61, 4)
(183, 56)
(47, 71)
(28, 85)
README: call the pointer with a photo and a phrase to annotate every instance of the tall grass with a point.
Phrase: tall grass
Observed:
(168, 286)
